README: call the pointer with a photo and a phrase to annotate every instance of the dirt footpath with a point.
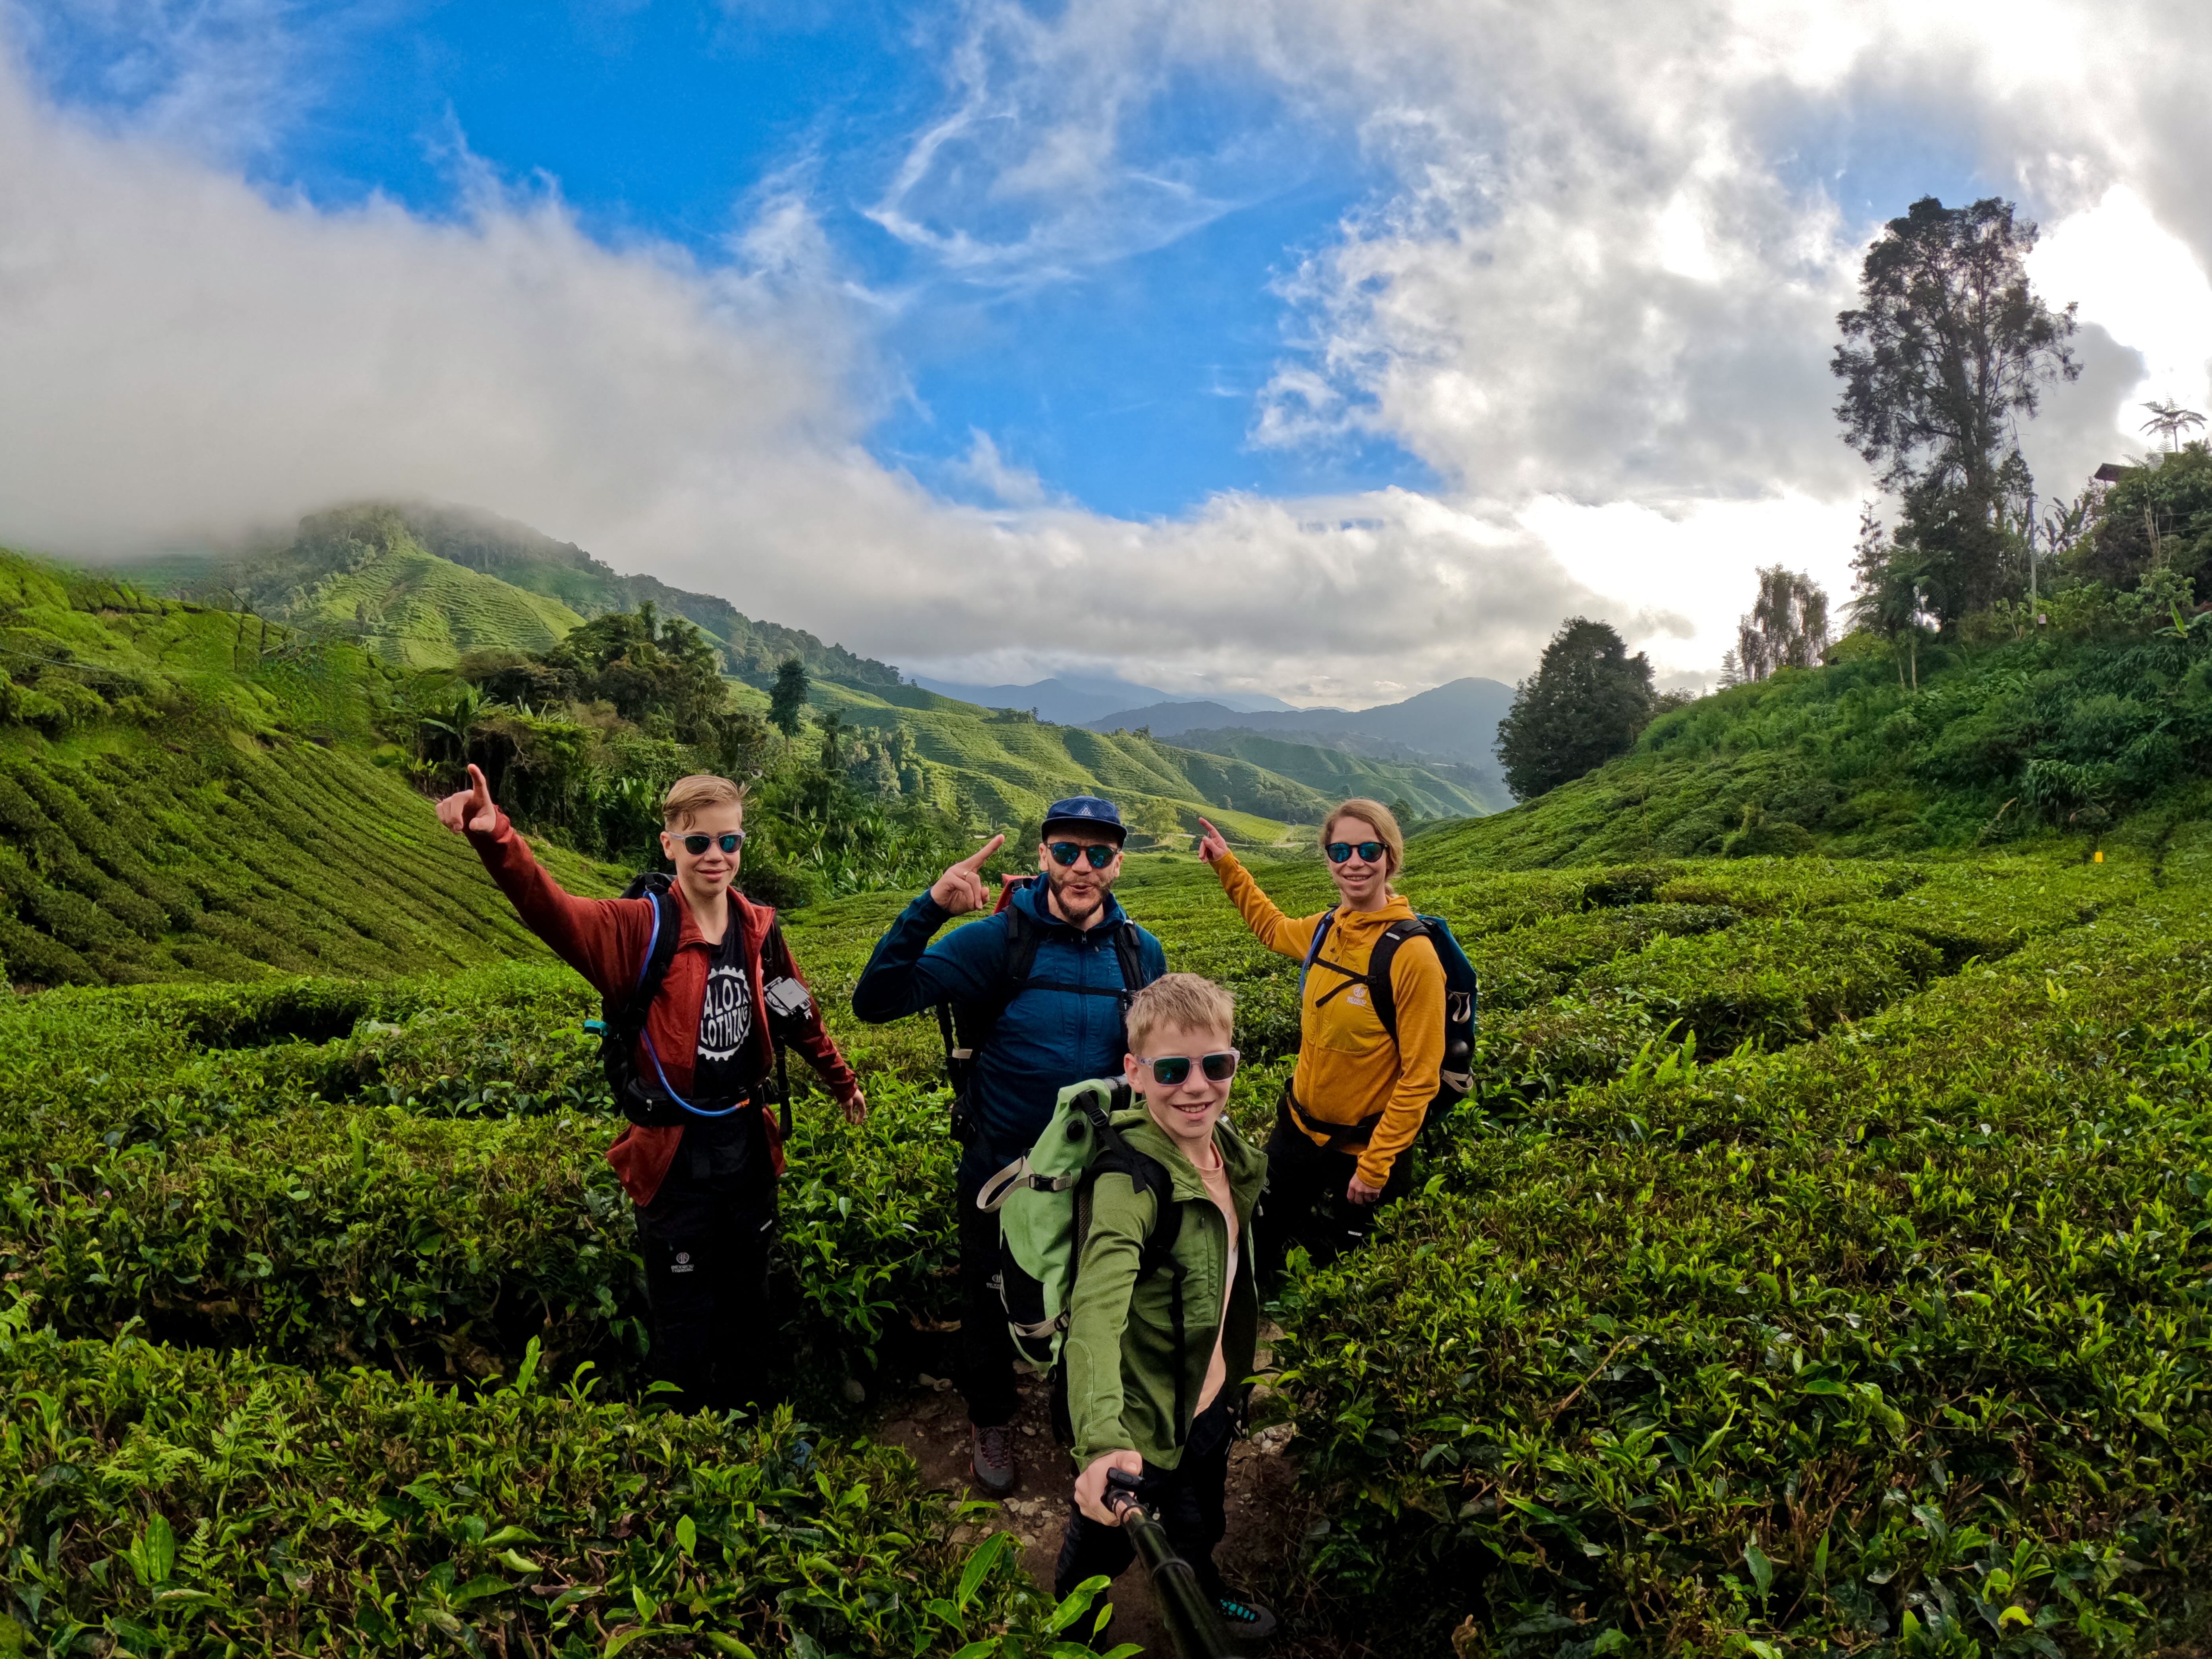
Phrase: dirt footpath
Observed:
(1262, 1509)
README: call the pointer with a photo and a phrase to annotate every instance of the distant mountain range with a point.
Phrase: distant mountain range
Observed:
(1079, 700)
(1456, 722)
(423, 584)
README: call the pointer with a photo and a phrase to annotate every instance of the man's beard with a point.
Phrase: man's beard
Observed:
(1059, 881)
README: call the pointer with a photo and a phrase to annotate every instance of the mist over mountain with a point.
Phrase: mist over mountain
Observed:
(1455, 722)
(419, 582)
(1079, 700)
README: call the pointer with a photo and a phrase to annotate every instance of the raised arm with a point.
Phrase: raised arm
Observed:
(1269, 925)
(603, 939)
(908, 973)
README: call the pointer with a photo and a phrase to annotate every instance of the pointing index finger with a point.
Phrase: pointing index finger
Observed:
(974, 862)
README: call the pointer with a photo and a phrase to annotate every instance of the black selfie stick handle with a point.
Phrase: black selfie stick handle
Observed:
(1193, 1624)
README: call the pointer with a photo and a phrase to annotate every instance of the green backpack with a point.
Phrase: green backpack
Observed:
(1042, 1200)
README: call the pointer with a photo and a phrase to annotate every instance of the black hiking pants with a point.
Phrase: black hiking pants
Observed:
(1305, 1203)
(705, 1239)
(1191, 1499)
(987, 1347)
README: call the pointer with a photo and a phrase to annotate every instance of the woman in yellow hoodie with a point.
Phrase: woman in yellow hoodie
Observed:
(1344, 1133)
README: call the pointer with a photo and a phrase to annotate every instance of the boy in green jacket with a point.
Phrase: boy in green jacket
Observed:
(1161, 1403)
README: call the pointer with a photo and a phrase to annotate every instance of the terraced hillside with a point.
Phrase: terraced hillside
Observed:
(1433, 792)
(186, 794)
(1011, 767)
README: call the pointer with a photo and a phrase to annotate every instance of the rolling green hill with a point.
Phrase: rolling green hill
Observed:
(1011, 766)
(1433, 792)
(2000, 741)
(361, 574)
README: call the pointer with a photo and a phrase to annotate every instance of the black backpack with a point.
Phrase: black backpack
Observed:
(622, 1025)
(967, 1027)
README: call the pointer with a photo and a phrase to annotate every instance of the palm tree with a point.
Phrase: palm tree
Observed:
(2169, 420)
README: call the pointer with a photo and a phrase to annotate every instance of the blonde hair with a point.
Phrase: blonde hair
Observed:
(1190, 1000)
(1371, 812)
(696, 794)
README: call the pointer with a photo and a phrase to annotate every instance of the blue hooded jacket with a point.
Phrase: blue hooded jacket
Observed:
(1045, 1040)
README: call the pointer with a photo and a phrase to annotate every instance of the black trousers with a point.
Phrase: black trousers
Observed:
(705, 1239)
(1191, 1499)
(987, 1347)
(1305, 1202)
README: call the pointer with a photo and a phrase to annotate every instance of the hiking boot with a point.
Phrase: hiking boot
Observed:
(1249, 1626)
(991, 1458)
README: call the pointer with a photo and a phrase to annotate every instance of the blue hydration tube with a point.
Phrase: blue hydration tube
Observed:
(654, 1054)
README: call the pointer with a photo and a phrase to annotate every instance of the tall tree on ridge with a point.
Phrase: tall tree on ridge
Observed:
(1787, 626)
(1584, 704)
(1948, 351)
(786, 698)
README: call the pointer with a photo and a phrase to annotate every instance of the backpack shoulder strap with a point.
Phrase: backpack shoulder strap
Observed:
(1313, 950)
(1381, 991)
(1129, 948)
(659, 951)
(1021, 938)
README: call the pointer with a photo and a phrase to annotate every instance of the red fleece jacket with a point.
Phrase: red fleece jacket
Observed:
(606, 941)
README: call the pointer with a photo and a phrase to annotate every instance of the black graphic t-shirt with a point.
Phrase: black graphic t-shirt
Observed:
(729, 1062)
(732, 1057)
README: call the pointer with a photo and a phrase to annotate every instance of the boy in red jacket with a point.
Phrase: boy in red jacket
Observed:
(702, 1152)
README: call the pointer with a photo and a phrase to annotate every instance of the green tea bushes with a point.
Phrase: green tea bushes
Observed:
(1771, 981)
(1892, 1339)
(156, 1500)
(155, 1062)
(1992, 906)
(351, 1233)
(341, 1233)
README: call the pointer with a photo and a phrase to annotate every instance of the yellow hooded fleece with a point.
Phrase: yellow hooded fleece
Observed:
(1348, 1068)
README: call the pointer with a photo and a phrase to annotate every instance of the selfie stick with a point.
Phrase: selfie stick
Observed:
(1194, 1627)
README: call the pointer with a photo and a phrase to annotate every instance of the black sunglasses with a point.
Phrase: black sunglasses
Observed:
(1067, 853)
(1340, 852)
(1169, 1070)
(729, 842)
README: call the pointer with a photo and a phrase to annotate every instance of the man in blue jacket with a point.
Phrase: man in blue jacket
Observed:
(1057, 966)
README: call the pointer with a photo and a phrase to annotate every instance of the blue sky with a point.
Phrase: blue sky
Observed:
(1327, 349)
(1124, 380)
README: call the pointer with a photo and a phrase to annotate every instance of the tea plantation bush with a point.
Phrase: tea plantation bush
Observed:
(155, 1500)
(1896, 1339)
(1655, 1324)
(352, 1232)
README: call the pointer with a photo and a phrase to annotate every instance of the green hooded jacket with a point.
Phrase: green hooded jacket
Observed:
(1120, 1351)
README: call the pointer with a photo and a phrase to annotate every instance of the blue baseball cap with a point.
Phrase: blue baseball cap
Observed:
(1085, 812)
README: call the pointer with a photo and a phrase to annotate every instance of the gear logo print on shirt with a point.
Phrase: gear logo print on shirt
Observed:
(725, 1017)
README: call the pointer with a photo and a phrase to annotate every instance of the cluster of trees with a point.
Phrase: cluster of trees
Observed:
(581, 741)
(1945, 357)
